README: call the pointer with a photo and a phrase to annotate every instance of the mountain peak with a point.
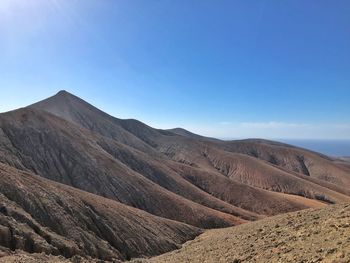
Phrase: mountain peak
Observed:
(63, 104)
(63, 93)
(61, 99)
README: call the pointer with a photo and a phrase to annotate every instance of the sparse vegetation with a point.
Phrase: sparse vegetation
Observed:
(320, 235)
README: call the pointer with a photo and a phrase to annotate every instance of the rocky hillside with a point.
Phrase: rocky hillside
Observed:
(38, 215)
(320, 235)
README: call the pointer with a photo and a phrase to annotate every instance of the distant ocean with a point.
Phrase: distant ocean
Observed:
(328, 147)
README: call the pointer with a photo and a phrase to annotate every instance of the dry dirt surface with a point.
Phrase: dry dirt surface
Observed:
(320, 235)
(21, 257)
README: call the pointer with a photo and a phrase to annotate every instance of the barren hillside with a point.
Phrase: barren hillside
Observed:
(38, 215)
(320, 235)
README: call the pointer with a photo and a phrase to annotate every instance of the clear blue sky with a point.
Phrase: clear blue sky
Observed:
(233, 69)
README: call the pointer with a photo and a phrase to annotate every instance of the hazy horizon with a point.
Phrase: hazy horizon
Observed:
(330, 147)
(262, 69)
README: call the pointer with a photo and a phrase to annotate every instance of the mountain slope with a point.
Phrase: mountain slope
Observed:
(250, 170)
(293, 159)
(253, 199)
(74, 109)
(61, 151)
(38, 215)
(306, 236)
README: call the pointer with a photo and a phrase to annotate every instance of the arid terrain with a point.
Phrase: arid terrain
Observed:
(313, 235)
(80, 184)
(321, 235)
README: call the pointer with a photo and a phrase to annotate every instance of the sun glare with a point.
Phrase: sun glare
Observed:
(6, 5)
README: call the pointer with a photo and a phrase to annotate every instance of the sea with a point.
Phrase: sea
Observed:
(335, 148)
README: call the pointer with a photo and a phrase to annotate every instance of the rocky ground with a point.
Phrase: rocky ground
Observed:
(35, 258)
(23, 257)
(320, 235)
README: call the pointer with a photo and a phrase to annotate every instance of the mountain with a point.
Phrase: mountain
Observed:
(186, 147)
(320, 235)
(62, 151)
(63, 154)
(294, 159)
(75, 110)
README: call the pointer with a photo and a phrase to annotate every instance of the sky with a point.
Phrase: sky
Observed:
(229, 69)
